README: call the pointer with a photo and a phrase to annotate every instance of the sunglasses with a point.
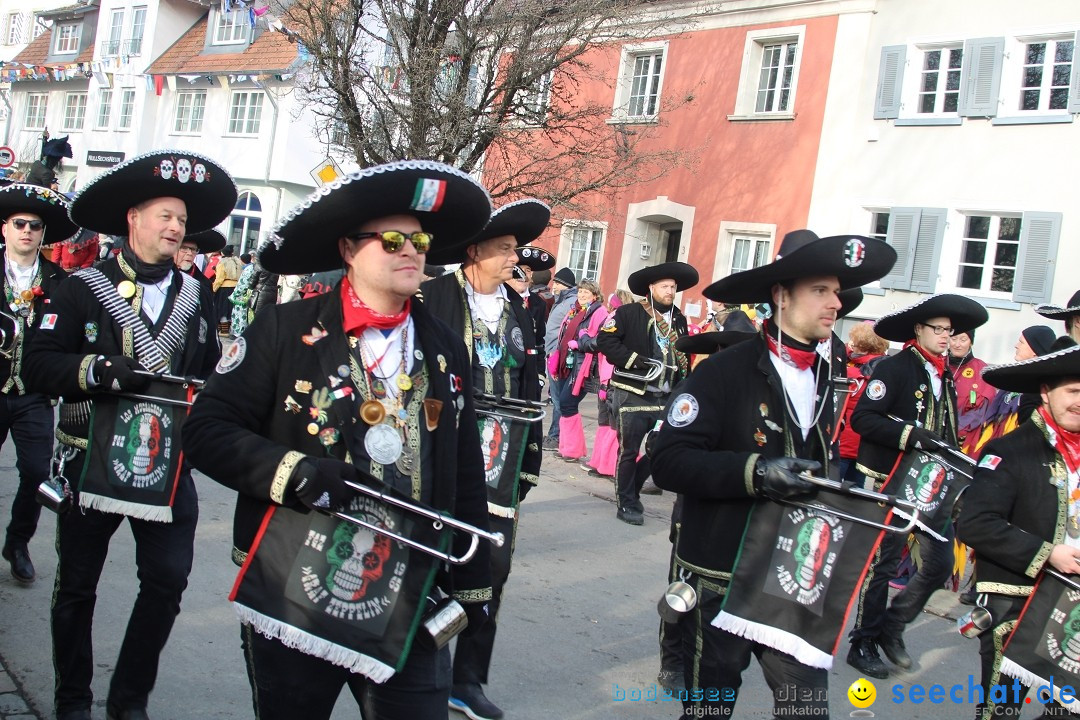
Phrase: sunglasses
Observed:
(393, 240)
(21, 223)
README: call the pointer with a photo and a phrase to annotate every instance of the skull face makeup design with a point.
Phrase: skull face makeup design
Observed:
(183, 170)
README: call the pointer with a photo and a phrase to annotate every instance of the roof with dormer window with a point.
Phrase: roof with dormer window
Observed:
(38, 50)
(270, 52)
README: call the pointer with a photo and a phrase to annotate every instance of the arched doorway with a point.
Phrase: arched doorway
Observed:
(245, 222)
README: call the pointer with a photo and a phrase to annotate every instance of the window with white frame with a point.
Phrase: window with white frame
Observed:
(1046, 75)
(138, 28)
(585, 245)
(338, 133)
(988, 253)
(190, 108)
(879, 225)
(116, 31)
(245, 112)
(104, 113)
(749, 252)
(36, 105)
(74, 111)
(535, 100)
(231, 28)
(66, 38)
(127, 109)
(640, 83)
(770, 74)
(15, 32)
(245, 222)
(939, 82)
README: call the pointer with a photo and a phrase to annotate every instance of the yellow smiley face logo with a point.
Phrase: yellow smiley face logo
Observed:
(862, 693)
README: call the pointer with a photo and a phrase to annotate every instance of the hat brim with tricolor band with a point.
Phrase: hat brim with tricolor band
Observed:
(447, 202)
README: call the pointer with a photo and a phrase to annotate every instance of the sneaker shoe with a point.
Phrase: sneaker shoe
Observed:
(470, 699)
(894, 649)
(671, 680)
(649, 488)
(864, 657)
(21, 567)
(630, 517)
(551, 443)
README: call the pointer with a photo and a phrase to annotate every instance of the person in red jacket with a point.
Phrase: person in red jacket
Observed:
(865, 348)
(77, 253)
(973, 394)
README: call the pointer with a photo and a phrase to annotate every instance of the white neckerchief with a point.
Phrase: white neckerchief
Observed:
(19, 277)
(154, 295)
(488, 308)
(385, 351)
(801, 389)
(935, 381)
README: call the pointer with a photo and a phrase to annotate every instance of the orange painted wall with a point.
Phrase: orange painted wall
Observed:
(759, 172)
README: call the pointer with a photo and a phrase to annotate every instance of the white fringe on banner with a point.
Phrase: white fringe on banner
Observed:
(775, 638)
(157, 513)
(1033, 681)
(500, 511)
(919, 524)
(309, 644)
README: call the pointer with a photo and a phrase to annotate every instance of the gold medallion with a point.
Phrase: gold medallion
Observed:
(372, 412)
(312, 429)
(404, 382)
(27, 295)
(126, 288)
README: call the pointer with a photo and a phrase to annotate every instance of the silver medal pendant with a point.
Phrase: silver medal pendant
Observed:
(383, 444)
(405, 462)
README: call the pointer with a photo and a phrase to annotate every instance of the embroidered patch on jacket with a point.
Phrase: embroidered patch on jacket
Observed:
(231, 358)
(875, 390)
(990, 462)
(48, 322)
(683, 411)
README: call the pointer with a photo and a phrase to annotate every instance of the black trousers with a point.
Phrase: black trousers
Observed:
(163, 557)
(472, 656)
(876, 616)
(287, 684)
(636, 415)
(714, 661)
(29, 420)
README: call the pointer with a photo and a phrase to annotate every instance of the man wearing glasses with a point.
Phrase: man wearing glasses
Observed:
(191, 247)
(29, 280)
(909, 402)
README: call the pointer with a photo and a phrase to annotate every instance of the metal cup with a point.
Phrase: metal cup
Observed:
(55, 495)
(975, 622)
(678, 599)
(445, 620)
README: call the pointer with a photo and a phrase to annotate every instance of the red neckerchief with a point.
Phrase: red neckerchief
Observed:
(937, 361)
(1067, 443)
(358, 316)
(800, 359)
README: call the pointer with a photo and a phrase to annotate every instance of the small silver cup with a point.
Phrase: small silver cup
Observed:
(678, 599)
(975, 622)
(445, 620)
(55, 494)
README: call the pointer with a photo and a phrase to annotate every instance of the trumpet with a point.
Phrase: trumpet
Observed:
(177, 379)
(656, 367)
(438, 522)
(906, 509)
(508, 408)
(945, 451)
(9, 334)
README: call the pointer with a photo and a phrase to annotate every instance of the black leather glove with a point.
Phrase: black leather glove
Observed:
(923, 439)
(639, 364)
(320, 483)
(479, 614)
(778, 478)
(117, 373)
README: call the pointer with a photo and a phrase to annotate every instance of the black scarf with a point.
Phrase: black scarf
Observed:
(145, 272)
(958, 361)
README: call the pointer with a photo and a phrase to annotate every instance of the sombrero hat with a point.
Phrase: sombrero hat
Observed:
(203, 185)
(535, 258)
(208, 240)
(1027, 376)
(849, 301)
(1061, 313)
(685, 276)
(449, 204)
(853, 259)
(524, 220)
(964, 314)
(50, 206)
(737, 328)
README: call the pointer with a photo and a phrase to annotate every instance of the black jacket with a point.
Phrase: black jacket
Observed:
(1015, 509)
(900, 386)
(446, 300)
(627, 337)
(242, 433)
(11, 368)
(741, 416)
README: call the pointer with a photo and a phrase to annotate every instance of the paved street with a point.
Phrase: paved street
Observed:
(578, 620)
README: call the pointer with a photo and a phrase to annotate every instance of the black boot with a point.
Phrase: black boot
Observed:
(864, 657)
(893, 647)
(21, 567)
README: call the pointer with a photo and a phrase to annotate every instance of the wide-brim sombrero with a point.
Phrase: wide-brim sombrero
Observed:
(204, 186)
(1028, 376)
(535, 258)
(449, 204)
(209, 241)
(849, 301)
(853, 259)
(685, 276)
(964, 315)
(1056, 312)
(737, 328)
(49, 205)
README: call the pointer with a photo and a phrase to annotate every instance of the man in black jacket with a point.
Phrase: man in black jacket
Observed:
(480, 307)
(746, 422)
(909, 402)
(635, 338)
(1017, 514)
(105, 325)
(1070, 314)
(29, 213)
(360, 379)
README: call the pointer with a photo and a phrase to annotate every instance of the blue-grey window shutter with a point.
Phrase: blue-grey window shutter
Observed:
(927, 250)
(1074, 81)
(1036, 261)
(981, 78)
(889, 82)
(902, 235)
